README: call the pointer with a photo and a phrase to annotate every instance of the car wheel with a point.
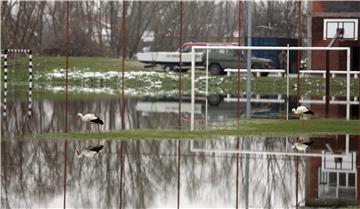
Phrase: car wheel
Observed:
(167, 68)
(215, 69)
(262, 74)
(214, 100)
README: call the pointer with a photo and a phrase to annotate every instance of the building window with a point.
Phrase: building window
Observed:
(342, 179)
(350, 27)
(351, 179)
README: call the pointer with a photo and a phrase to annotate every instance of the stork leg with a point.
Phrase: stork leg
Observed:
(302, 123)
(98, 127)
(301, 120)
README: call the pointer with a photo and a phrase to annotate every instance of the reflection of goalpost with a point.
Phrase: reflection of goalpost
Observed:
(288, 49)
(5, 56)
(328, 152)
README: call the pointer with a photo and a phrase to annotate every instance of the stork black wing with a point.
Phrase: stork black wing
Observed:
(98, 121)
(97, 148)
(308, 143)
(309, 112)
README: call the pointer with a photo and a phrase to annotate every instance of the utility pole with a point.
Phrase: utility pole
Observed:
(248, 74)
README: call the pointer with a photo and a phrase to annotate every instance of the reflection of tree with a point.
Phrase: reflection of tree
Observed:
(48, 116)
(35, 175)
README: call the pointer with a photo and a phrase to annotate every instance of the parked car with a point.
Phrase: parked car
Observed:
(221, 59)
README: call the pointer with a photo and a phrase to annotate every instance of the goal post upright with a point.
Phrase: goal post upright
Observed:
(348, 83)
(192, 116)
(5, 56)
(296, 48)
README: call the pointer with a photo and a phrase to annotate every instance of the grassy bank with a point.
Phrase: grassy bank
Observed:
(99, 71)
(44, 65)
(253, 127)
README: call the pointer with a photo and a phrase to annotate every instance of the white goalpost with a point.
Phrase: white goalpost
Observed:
(256, 48)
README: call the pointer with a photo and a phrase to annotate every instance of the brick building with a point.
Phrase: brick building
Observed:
(330, 182)
(326, 15)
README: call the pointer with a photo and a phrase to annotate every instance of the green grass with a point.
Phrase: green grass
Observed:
(252, 127)
(43, 65)
(217, 84)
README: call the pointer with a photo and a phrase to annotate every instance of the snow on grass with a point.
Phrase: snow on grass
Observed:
(76, 74)
(80, 89)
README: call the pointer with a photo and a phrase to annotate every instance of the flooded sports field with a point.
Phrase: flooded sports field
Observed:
(180, 104)
(220, 171)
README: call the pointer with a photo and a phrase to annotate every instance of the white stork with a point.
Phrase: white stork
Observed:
(90, 118)
(303, 112)
(301, 145)
(90, 151)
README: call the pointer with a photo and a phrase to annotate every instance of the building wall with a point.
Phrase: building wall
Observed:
(332, 9)
(337, 59)
(358, 172)
(313, 164)
(336, 6)
(312, 178)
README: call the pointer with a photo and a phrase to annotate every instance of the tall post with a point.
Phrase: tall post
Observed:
(180, 102)
(299, 52)
(178, 172)
(5, 83)
(30, 83)
(348, 84)
(238, 61)
(287, 81)
(238, 104)
(327, 84)
(297, 182)
(66, 46)
(237, 172)
(247, 172)
(122, 158)
(180, 61)
(192, 116)
(122, 64)
(248, 74)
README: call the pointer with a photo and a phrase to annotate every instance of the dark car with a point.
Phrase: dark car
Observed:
(221, 59)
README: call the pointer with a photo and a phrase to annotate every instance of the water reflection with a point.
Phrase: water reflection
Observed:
(155, 112)
(33, 177)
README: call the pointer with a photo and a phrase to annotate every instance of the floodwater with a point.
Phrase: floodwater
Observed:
(148, 112)
(206, 174)
(33, 173)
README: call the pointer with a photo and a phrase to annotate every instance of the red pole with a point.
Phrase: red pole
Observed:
(122, 63)
(66, 46)
(299, 54)
(180, 61)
